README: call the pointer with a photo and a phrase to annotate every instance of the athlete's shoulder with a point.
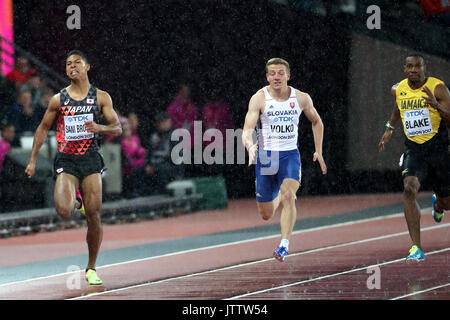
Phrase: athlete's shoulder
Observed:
(436, 81)
(103, 97)
(303, 98)
(55, 101)
(300, 93)
(102, 93)
(56, 96)
(258, 96)
(398, 85)
(259, 93)
(394, 89)
(257, 101)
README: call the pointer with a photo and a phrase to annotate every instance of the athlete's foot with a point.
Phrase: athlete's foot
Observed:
(437, 216)
(415, 254)
(92, 277)
(280, 254)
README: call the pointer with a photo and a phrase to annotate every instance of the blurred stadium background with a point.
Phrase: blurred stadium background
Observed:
(140, 51)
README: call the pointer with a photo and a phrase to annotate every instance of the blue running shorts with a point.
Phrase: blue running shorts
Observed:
(271, 168)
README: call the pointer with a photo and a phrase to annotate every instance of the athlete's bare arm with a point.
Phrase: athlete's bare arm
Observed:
(395, 116)
(113, 128)
(306, 104)
(440, 100)
(41, 133)
(254, 109)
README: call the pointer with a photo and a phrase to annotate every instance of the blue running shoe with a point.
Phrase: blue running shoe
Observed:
(280, 254)
(415, 253)
(437, 216)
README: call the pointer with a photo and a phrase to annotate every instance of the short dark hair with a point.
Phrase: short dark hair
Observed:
(79, 53)
(161, 116)
(5, 124)
(416, 55)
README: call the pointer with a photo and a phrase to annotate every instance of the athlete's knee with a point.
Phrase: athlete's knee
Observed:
(93, 209)
(94, 221)
(411, 187)
(63, 211)
(444, 203)
(266, 214)
(287, 196)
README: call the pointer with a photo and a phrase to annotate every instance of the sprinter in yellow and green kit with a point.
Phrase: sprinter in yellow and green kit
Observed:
(423, 105)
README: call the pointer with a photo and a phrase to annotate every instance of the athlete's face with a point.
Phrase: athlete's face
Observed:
(415, 69)
(277, 75)
(76, 67)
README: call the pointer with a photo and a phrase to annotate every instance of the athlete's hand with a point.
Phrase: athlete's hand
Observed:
(252, 154)
(91, 126)
(318, 157)
(384, 139)
(29, 170)
(430, 99)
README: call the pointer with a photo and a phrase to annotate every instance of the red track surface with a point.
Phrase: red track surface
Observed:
(327, 263)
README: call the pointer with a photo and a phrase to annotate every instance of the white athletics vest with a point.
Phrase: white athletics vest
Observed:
(278, 124)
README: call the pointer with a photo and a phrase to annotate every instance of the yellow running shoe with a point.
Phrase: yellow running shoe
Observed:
(92, 277)
(415, 253)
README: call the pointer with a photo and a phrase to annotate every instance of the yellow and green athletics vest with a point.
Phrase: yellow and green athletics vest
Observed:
(420, 121)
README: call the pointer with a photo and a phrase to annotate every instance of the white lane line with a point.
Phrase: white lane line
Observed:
(271, 259)
(214, 247)
(421, 291)
(328, 276)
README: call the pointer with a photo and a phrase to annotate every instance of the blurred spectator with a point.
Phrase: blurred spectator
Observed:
(347, 6)
(21, 116)
(21, 73)
(436, 11)
(159, 168)
(183, 112)
(40, 107)
(133, 155)
(7, 96)
(314, 6)
(133, 122)
(7, 135)
(111, 139)
(217, 114)
(34, 85)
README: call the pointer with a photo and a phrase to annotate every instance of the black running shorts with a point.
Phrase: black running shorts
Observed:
(79, 166)
(435, 166)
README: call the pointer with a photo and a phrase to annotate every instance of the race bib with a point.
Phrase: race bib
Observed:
(417, 122)
(74, 127)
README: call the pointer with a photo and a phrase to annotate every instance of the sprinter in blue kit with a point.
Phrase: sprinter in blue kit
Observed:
(275, 111)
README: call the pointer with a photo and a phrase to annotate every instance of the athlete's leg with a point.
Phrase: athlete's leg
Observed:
(288, 189)
(267, 209)
(411, 186)
(64, 194)
(442, 203)
(92, 198)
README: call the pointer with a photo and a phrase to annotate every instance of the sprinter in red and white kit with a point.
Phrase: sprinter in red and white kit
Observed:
(78, 165)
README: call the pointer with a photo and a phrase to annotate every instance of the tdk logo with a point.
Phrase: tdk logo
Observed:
(79, 118)
(415, 113)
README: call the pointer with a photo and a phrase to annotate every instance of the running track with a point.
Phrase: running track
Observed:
(343, 247)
